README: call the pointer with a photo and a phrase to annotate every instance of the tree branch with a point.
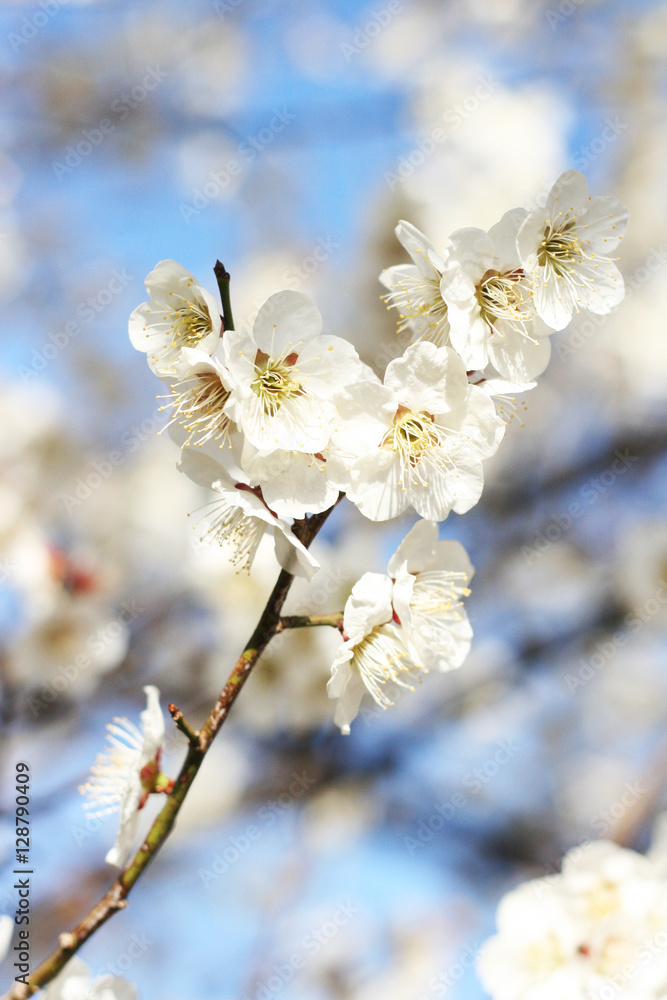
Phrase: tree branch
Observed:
(335, 619)
(116, 897)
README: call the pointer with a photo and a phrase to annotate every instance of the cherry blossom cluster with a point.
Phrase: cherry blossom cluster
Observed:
(281, 420)
(495, 297)
(596, 930)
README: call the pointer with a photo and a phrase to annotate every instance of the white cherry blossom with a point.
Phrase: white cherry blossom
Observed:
(414, 289)
(492, 314)
(566, 247)
(285, 375)
(293, 483)
(74, 982)
(198, 398)
(430, 579)
(239, 516)
(596, 930)
(125, 773)
(180, 313)
(374, 655)
(416, 441)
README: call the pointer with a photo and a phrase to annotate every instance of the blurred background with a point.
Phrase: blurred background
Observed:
(287, 139)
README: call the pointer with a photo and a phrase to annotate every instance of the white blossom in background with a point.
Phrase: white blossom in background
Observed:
(74, 982)
(430, 579)
(285, 376)
(491, 309)
(6, 931)
(414, 289)
(180, 313)
(70, 618)
(239, 516)
(597, 930)
(565, 250)
(374, 653)
(125, 773)
(417, 441)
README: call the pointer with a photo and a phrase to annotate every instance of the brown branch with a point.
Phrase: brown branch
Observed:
(116, 897)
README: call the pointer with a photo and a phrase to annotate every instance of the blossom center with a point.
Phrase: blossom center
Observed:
(503, 297)
(275, 382)
(198, 404)
(191, 323)
(560, 248)
(417, 297)
(412, 434)
(382, 659)
(233, 527)
(412, 437)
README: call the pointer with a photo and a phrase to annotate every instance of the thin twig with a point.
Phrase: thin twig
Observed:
(335, 619)
(185, 727)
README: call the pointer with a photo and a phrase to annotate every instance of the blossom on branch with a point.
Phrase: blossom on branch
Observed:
(491, 309)
(430, 579)
(285, 375)
(180, 313)
(239, 515)
(402, 624)
(417, 441)
(374, 654)
(565, 250)
(126, 773)
(415, 290)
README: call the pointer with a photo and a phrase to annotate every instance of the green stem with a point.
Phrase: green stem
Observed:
(115, 898)
(223, 278)
(187, 730)
(335, 619)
